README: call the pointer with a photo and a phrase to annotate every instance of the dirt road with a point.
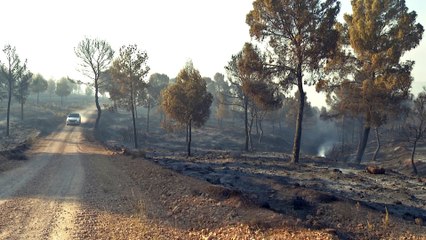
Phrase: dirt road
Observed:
(39, 199)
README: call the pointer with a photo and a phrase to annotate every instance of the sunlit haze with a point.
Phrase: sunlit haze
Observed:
(45, 32)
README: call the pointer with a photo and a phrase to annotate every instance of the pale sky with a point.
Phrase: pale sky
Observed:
(172, 32)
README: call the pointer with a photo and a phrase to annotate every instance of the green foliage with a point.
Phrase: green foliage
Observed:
(300, 33)
(300, 36)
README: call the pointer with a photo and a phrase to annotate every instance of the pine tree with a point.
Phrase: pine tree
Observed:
(128, 71)
(369, 67)
(187, 101)
(301, 36)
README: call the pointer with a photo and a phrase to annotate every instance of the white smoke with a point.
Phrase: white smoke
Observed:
(325, 148)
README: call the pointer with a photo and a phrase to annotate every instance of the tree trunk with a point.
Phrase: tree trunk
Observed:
(376, 129)
(22, 111)
(343, 136)
(9, 100)
(273, 125)
(298, 132)
(115, 106)
(353, 131)
(135, 136)
(413, 152)
(98, 106)
(147, 117)
(261, 131)
(249, 132)
(62, 100)
(38, 96)
(362, 144)
(134, 113)
(187, 133)
(246, 123)
(257, 125)
(189, 138)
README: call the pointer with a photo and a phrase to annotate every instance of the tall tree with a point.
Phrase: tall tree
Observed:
(129, 70)
(39, 85)
(221, 91)
(63, 88)
(187, 101)
(253, 89)
(3, 84)
(157, 82)
(380, 32)
(96, 56)
(416, 124)
(375, 37)
(12, 70)
(22, 89)
(109, 86)
(75, 85)
(301, 36)
(51, 88)
(238, 97)
(88, 91)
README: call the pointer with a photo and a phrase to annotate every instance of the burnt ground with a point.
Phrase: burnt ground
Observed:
(319, 193)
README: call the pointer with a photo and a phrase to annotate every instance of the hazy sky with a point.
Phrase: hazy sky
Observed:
(206, 31)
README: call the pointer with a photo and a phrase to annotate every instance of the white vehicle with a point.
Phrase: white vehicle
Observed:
(73, 119)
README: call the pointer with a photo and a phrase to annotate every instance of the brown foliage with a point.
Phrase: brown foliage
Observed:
(187, 99)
